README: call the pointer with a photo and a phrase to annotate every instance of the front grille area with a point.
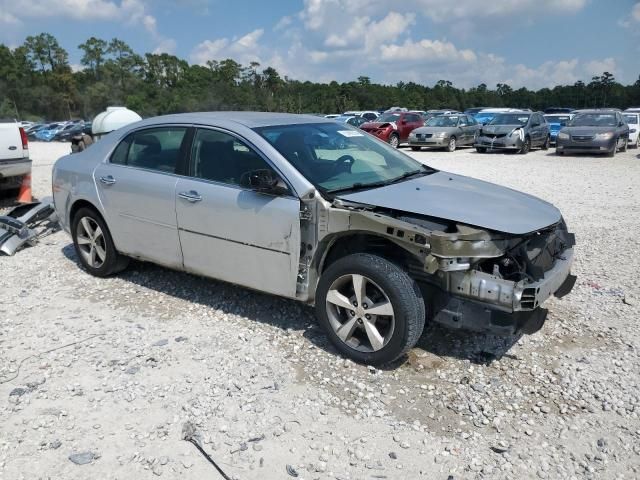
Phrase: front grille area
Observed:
(582, 138)
(495, 135)
(421, 136)
(581, 147)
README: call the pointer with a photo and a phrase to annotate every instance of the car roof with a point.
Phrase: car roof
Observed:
(597, 110)
(248, 119)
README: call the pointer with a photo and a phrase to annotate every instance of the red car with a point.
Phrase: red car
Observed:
(394, 127)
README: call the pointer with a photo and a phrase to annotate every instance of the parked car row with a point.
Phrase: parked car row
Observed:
(57, 131)
(489, 129)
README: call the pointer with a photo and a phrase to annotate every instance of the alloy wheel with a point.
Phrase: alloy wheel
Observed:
(394, 141)
(91, 242)
(360, 313)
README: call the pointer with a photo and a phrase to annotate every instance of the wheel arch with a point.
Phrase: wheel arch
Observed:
(342, 244)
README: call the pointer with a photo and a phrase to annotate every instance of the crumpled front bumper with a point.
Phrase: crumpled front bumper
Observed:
(491, 304)
(508, 142)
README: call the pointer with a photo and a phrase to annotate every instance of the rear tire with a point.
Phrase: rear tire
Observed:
(481, 149)
(94, 246)
(383, 284)
(547, 142)
(416, 149)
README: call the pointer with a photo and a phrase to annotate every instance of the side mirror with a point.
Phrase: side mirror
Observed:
(262, 180)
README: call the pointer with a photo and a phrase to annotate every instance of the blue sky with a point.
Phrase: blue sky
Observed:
(533, 43)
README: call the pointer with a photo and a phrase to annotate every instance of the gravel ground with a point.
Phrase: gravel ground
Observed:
(156, 349)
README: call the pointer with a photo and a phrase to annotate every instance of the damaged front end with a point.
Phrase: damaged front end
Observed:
(472, 278)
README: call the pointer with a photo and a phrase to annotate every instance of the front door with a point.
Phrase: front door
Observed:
(230, 232)
(137, 190)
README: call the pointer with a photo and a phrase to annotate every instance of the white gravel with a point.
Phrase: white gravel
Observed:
(264, 390)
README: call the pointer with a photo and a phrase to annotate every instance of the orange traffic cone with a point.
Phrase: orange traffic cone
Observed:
(24, 196)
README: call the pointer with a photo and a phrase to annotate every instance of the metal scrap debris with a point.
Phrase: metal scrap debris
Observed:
(25, 224)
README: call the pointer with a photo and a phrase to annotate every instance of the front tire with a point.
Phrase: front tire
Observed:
(625, 145)
(451, 146)
(526, 146)
(94, 245)
(370, 308)
(394, 140)
(481, 150)
(416, 149)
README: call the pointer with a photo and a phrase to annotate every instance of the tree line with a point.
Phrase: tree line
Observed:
(37, 82)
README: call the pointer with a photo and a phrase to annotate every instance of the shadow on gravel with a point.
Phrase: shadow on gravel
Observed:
(288, 314)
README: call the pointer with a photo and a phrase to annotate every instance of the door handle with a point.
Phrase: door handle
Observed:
(107, 180)
(190, 196)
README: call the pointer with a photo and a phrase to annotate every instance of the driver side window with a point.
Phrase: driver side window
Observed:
(220, 157)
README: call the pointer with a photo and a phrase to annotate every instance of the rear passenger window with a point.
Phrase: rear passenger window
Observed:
(153, 149)
(221, 157)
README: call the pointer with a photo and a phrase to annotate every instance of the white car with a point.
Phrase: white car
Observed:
(14, 154)
(368, 115)
(633, 120)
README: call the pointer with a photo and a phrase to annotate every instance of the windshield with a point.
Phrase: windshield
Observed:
(594, 120)
(339, 157)
(388, 117)
(558, 119)
(343, 118)
(631, 119)
(510, 119)
(443, 121)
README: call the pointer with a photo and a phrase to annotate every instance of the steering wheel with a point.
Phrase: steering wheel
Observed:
(343, 164)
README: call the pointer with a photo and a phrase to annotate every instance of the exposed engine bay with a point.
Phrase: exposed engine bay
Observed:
(476, 278)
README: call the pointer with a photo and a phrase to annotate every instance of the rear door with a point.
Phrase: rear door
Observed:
(229, 231)
(137, 191)
(463, 124)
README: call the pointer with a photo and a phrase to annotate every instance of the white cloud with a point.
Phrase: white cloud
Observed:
(244, 49)
(8, 19)
(426, 51)
(444, 10)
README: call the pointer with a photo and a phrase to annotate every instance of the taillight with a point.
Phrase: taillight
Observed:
(25, 139)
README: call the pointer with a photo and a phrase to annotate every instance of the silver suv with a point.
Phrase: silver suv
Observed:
(320, 212)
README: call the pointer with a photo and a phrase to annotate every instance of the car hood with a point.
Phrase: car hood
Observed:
(498, 129)
(376, 125)
(464, 200)
(435, 129)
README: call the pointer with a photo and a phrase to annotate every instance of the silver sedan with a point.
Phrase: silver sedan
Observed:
(321, 212)
(445, 131)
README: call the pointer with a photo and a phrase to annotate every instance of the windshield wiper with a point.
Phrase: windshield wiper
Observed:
(363, 186)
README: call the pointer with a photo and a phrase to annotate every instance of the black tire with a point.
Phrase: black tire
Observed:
(526, 146)
(114, 261)
(547, 142)
(625, 145)
(559, 152)
(613, 151)
(403, 293)
(394, 140)
(481, 149)
(451, 146)
(416, 149)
